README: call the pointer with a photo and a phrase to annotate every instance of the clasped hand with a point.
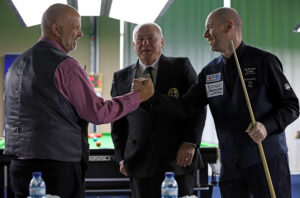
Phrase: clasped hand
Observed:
(144, 87)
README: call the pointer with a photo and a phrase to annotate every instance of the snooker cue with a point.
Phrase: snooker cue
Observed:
(261, 150)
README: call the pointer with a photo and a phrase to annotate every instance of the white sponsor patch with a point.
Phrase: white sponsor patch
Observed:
(213, 78)
(214, 89)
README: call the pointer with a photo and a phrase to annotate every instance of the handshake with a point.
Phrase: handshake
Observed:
(144, 87)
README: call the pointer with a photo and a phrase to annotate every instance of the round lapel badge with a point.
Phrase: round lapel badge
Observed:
(173, 92)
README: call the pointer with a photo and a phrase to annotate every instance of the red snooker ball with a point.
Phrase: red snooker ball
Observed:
(98, 143)
(91, 135)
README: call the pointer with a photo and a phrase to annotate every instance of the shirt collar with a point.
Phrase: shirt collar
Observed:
(239, 51)
(143, 67)
(53, 42)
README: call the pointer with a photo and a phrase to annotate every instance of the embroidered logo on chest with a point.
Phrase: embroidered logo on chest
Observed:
(250, 77)
(249, 71)
(173, 92)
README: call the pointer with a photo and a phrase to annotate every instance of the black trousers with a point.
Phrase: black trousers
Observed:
(151, 187)
(65, 179)
(251, 182)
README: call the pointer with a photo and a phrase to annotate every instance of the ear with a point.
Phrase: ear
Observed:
(162, 43)
(228, 25)
(55, 29)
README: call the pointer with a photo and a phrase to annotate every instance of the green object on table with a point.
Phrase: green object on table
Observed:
(205, 144)
(2, 143)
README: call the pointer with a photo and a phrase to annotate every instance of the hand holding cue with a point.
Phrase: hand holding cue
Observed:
(261, 150)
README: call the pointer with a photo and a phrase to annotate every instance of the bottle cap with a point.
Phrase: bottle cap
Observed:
(169, 174)
(37, 174)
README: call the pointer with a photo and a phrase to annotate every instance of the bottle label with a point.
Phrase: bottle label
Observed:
(37, 192)
(169, 192)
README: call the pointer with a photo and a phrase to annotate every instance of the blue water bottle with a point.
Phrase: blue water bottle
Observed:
(37, 187)
(169, 187)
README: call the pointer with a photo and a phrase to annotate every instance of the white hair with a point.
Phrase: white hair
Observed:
(136, 29)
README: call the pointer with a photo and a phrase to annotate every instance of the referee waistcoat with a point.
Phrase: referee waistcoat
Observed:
(39, 121)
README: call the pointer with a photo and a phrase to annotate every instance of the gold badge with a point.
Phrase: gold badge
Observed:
(173, 92)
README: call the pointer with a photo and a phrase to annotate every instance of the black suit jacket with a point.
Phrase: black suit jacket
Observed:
(146, 140)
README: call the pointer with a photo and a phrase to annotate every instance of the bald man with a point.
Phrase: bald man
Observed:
(274, 104)
(49, 101)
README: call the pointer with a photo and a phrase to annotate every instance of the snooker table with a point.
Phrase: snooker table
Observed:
(103, 176)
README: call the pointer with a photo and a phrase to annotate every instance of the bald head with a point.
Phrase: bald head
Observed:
(62, 23)
(55, 13)
(224, 14)
(222, 26)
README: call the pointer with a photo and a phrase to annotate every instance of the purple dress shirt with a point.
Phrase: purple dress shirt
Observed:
(73, 83)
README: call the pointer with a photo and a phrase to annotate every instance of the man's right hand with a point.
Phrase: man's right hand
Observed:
(144, 87)
(122, 168)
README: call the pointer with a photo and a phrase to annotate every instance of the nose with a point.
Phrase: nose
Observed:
(146, 41)
(206, 34)
(80, 34)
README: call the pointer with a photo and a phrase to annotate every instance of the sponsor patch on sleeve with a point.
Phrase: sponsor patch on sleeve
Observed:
(214, 89)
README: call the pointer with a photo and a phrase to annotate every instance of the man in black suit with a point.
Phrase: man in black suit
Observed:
(147, 143)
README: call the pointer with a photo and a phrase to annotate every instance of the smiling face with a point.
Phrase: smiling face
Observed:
(69, 30)
(148, 43)
(215, 33)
